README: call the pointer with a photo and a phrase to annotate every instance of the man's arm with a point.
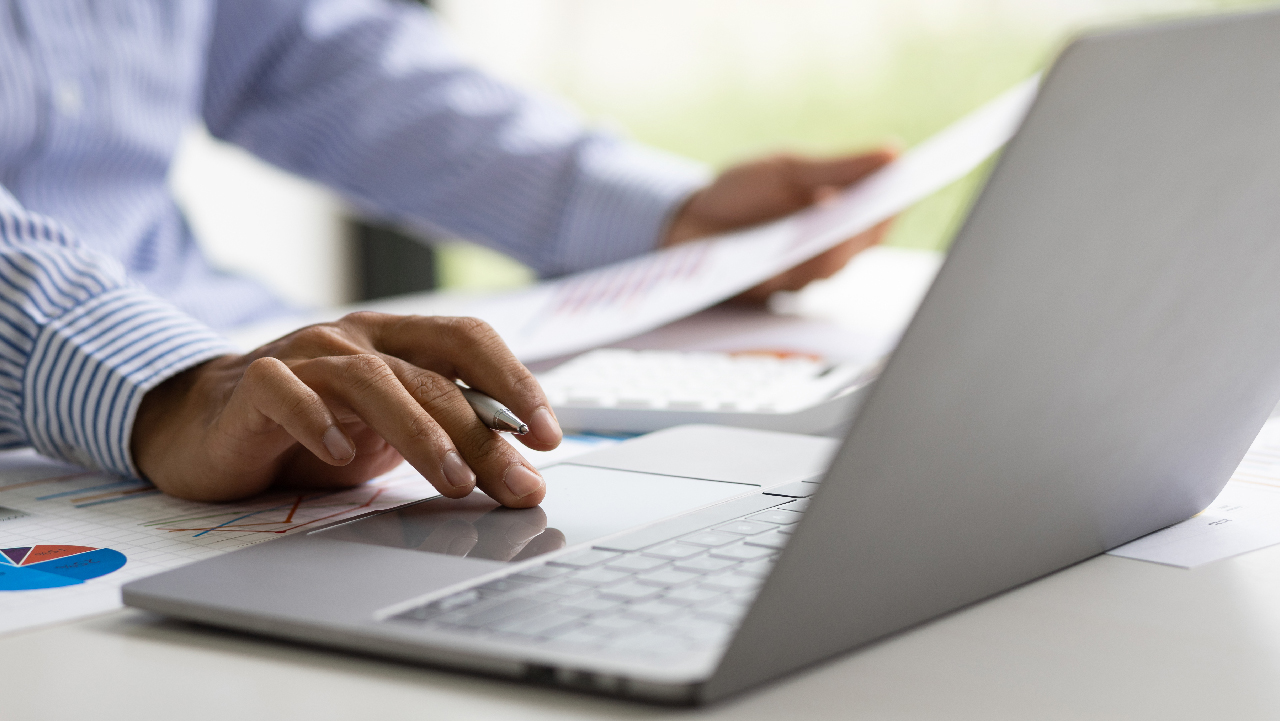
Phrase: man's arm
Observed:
(79, 344)
(369, 97)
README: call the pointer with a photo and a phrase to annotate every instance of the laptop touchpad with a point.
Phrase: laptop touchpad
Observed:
(582, 504)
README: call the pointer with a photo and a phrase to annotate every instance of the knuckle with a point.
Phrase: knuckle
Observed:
(525, 384)
(367, 370)
(490, 444)
(324, 336)
(263, 369)
(430, 389)
(362, 318)
(420, 429)
(467, 329)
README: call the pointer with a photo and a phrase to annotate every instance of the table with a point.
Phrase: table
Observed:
(1109, 638)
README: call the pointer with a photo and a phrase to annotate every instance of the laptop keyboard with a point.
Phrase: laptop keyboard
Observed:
(650, 593)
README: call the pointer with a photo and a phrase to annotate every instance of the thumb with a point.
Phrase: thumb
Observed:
(840, 172)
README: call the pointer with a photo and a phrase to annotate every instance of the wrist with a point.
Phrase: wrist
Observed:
(161, 413)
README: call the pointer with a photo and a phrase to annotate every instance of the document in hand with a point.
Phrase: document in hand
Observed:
(594, 308)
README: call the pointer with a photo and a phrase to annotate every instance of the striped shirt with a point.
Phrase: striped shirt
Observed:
(104, 292)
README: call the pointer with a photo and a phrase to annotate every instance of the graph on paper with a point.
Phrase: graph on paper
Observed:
(70, 538)
(109, 531)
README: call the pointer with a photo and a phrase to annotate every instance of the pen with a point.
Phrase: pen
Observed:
(492, 413)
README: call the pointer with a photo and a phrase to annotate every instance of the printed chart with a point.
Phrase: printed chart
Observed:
(65, 532)
(28, 568)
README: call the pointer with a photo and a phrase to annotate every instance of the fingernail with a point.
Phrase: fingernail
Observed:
(457, 472)
(544, 426)
(335, 441)
(521, 480)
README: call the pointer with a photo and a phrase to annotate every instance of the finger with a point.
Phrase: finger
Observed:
(366, 385)
(500, 471)
(840, 172)
(819, 267)
(470, 350)
(270, 390)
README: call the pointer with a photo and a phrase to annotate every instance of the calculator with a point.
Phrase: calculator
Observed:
(637, 391)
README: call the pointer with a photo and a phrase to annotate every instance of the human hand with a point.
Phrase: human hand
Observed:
(770, 188)
(335, 404)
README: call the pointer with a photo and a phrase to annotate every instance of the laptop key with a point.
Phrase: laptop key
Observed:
(758, 569)
(690, 595)
(710, 538)
(744, 528)
(730, 582)
(704, 564)
(654, 609)
(584, 559)
(665, 577)
(633, 562)
(769, 540)
(742, 552)
(776, 516)
(590, 603)
(726, 611)
(539, 625)
(597, 576)
(630, 591)
(674, 551)
(613, 624)
(501, 611)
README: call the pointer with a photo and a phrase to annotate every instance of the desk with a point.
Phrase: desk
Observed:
(1109, 638)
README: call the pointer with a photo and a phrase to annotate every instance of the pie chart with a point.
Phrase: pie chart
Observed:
(46, 566)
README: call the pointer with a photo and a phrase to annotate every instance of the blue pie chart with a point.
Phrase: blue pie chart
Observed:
(28, 568)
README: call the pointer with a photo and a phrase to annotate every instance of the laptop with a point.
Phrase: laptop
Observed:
(1090, 365)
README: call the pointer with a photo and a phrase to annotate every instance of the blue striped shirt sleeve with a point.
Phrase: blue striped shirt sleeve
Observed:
(369, 97)
(80, 344)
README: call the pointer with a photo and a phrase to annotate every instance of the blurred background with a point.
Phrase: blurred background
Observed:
(716, 80)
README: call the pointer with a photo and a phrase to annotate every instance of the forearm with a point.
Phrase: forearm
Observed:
(80, 344)
(374, 102)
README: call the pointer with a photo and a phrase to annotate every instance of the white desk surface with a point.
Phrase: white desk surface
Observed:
(1107, 639)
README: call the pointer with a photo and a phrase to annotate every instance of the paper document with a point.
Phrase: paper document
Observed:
(609, 304)
(1243, 518)
(70, 538)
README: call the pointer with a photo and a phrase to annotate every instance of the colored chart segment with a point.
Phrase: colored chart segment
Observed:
(51, 566)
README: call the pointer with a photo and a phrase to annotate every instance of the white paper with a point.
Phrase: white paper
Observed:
(43, 502)
(605, 305)
(1244, 517)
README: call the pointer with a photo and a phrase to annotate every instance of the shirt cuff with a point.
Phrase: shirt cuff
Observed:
(90, 367)
(622, 201)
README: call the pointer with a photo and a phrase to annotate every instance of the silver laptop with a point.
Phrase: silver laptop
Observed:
(1090, 365)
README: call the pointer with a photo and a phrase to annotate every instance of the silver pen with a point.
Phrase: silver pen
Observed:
(492, 413)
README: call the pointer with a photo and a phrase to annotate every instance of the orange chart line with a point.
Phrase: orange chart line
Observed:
(243, 528)
(51, 479)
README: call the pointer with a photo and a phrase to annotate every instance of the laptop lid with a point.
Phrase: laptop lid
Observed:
(1090, 365)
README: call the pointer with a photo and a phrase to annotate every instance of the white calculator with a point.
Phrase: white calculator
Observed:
(636, 391)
